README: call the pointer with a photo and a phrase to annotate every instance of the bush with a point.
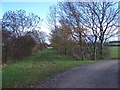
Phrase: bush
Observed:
(16, 48)
(23, 47)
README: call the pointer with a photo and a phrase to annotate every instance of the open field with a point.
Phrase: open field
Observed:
(114, 52)
(36, 68)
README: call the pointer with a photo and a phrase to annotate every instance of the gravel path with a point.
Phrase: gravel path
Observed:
(103, 74)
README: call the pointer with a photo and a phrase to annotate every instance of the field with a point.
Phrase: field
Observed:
(36, 68)
(114, 52)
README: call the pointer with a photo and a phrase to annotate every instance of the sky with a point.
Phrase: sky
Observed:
(38, 8)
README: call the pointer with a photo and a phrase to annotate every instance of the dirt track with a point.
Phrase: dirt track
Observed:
(103, 74)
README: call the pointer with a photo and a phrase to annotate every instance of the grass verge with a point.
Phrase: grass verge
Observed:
(36, 68)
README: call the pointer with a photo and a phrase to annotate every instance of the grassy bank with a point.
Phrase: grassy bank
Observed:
(36, 68)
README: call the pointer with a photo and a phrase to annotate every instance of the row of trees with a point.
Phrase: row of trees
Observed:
(20, 35)
(82, 28)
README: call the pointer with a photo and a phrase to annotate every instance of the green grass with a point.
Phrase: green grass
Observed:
(36, 68)
(114, 52)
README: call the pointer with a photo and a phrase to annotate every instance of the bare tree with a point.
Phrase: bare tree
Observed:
(72, 17)
(18, 22)
(15, 24)
(52, 22)
(100, 18)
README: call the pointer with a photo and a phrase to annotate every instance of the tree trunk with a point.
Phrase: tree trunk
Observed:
(81, 45)
(82, 51)
(101, 41)
(94, 52)
(101, 50)
(95, 49)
